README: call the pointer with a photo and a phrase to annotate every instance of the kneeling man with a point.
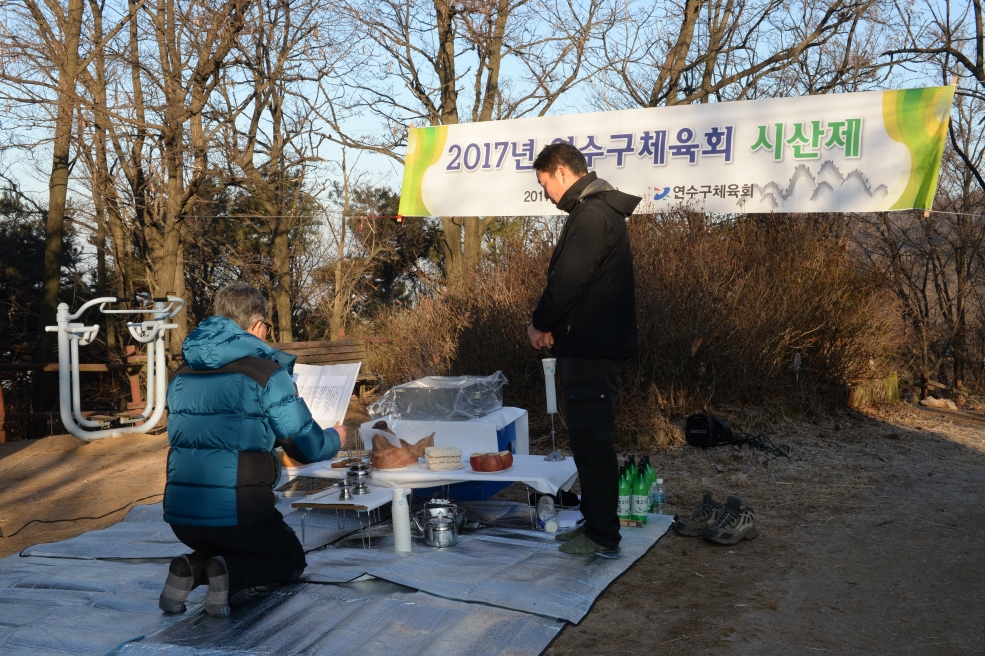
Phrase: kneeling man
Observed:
(229, 405)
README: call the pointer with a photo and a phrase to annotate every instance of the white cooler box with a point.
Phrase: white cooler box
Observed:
(501, 430)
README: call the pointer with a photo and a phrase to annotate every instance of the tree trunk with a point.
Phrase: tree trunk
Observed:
(282, 265)
(961, 290)
(57, 193)
(452, 248)
(676, 58)
(445, 60)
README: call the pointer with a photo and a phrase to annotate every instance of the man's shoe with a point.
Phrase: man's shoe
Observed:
(570, 535)
(217, 601)
(704, 518)
(735, 524)
(184, 573)
(582, 544)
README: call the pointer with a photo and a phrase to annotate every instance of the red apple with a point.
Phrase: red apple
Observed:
(491, 462)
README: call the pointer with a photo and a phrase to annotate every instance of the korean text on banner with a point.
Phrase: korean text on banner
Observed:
(852, 152)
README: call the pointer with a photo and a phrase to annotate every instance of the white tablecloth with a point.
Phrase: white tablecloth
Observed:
(377, 497)
(545, 477)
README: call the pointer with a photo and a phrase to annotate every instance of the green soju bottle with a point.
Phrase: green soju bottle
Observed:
(651, 478)
(640, 500)
(651, 473)
(631, 470)
(623, 501)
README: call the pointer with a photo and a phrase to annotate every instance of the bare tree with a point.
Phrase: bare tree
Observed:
(42, 62)
(676, 54)
(169, 66)
(282, 56)
(946, 39)
(439, 62)
(351, 257)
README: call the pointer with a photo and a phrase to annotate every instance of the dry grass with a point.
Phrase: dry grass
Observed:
(722, 310)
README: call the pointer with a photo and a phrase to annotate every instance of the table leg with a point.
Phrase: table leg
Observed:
(363, 536)
(531, 512)
(303, 516)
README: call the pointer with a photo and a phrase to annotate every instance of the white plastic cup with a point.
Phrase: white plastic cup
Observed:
(402, 521)
(549, 384)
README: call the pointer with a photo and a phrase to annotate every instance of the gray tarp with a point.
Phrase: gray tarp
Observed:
(369, 618)
(499, 591)
(144, 534)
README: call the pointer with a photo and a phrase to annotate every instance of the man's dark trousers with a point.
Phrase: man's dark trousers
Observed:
(589, 387)
(256, 554)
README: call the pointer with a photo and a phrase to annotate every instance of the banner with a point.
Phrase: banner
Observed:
(852, 152)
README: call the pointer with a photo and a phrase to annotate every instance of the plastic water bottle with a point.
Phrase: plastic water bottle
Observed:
(623, 501)
(547, 515)
(659, 498)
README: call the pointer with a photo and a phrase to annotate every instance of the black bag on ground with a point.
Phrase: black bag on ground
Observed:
(703, 430)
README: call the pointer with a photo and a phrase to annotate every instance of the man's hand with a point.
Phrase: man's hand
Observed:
(339, 428)
(539, 339)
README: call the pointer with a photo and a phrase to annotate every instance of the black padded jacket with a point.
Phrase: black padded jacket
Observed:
(588, 302)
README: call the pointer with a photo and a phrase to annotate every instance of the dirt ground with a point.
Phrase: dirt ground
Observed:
(873, 536)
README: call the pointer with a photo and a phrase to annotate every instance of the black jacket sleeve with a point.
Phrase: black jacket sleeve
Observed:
(583, 245)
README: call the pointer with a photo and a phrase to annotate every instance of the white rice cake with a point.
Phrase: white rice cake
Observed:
(443, 457)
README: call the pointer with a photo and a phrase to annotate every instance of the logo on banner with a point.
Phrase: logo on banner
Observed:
(661, 192)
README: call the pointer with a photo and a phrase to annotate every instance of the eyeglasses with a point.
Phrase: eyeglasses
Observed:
(269, 326)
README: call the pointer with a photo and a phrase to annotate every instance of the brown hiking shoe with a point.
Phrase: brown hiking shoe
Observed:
(736, 523)
(703, 518)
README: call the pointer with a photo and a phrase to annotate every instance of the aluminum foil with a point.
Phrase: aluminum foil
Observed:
(58, 606)
(419, 602)
(368, 618)
(144, 534)
(497, 566)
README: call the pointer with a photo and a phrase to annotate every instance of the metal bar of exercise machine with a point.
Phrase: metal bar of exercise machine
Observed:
(72, 335)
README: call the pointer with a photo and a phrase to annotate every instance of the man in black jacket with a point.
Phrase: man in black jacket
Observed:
(588, 317)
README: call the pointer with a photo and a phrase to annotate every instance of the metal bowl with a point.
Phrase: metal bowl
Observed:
(359, 473)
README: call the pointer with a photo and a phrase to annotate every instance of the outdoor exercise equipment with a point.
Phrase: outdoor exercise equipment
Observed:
(72, 335)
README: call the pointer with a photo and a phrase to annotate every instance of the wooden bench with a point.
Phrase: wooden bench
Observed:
(338, 351)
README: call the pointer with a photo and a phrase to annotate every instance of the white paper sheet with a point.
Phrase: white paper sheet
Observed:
(326, 390)
(568, 518)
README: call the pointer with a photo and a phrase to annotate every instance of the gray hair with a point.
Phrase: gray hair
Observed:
(242, 303)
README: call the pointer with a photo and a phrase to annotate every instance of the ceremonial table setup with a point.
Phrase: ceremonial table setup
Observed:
(534, 472)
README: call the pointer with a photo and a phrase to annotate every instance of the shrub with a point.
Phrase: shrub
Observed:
(722, 309)
(474, 329)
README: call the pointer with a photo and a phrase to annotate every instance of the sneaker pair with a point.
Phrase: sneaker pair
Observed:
(722, 523)
(190, 571)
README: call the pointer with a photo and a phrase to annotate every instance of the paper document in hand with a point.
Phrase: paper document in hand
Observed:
(326, 390)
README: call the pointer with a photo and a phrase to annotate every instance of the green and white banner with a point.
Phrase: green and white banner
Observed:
(852, 152)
